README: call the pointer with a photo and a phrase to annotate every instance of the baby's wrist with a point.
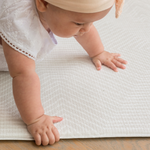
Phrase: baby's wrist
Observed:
(34, 117)
(97, 54)
(35, 121)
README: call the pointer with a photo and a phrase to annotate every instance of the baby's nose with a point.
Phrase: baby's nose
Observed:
(85, 29)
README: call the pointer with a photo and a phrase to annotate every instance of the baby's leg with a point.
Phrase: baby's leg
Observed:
(0, 41)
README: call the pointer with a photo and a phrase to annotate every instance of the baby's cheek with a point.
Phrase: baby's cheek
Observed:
(66, 33)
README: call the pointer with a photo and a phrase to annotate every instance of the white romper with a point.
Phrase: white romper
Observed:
(20, 28)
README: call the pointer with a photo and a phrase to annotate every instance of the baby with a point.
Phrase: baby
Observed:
(26, 30)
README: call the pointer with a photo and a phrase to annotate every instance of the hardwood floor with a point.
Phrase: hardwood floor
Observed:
(82, 144)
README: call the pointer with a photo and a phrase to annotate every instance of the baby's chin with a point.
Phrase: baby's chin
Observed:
(62, 34)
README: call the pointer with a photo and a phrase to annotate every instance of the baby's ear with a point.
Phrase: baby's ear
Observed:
(41, 5)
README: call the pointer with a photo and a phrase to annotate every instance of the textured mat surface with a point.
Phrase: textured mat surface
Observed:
(93, 103)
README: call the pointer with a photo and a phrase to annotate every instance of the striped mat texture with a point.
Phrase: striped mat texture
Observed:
(94, 104)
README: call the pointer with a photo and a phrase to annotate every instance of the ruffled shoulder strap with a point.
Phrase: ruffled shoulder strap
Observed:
(21, 28)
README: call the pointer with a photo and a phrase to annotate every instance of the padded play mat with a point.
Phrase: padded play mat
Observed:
(94, 104)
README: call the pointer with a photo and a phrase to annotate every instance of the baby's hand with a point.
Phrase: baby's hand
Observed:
(110, 60)
(44, 132)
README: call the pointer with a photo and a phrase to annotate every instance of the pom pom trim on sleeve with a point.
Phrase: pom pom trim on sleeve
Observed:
(16, 47)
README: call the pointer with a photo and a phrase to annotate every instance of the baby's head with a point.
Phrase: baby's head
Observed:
(67, 18)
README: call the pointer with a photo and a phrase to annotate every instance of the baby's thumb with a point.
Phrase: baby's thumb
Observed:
(97, 64)
(56, 119)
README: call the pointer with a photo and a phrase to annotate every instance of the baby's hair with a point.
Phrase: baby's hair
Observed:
(55, 9)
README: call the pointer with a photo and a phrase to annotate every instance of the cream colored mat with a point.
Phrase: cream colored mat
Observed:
(93, 103)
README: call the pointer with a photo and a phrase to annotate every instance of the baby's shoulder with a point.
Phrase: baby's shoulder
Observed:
(20, 26)
(14, 6)
(12, 3)
(17, 13)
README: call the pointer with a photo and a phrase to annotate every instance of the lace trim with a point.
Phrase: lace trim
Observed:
(16, 48)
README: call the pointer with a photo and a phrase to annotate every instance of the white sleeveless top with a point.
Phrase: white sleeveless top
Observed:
(20, 28)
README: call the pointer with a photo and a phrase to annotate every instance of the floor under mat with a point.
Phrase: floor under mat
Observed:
(93, 103)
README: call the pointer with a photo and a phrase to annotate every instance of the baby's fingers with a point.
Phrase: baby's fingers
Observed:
(118, 64)
(37, 138)
(111, 65)
(56, 134)
(115, 54)
(45, 140)
(35, 134)
(97, 64)
(51, 137)
(121, 60)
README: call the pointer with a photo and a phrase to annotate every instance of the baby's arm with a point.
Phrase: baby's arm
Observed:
(26, 90)
(92, 43)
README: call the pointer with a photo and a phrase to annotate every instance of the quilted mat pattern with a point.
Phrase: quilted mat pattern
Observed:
(94, 104)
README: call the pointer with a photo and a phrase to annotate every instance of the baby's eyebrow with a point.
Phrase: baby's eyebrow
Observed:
(79, 23)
